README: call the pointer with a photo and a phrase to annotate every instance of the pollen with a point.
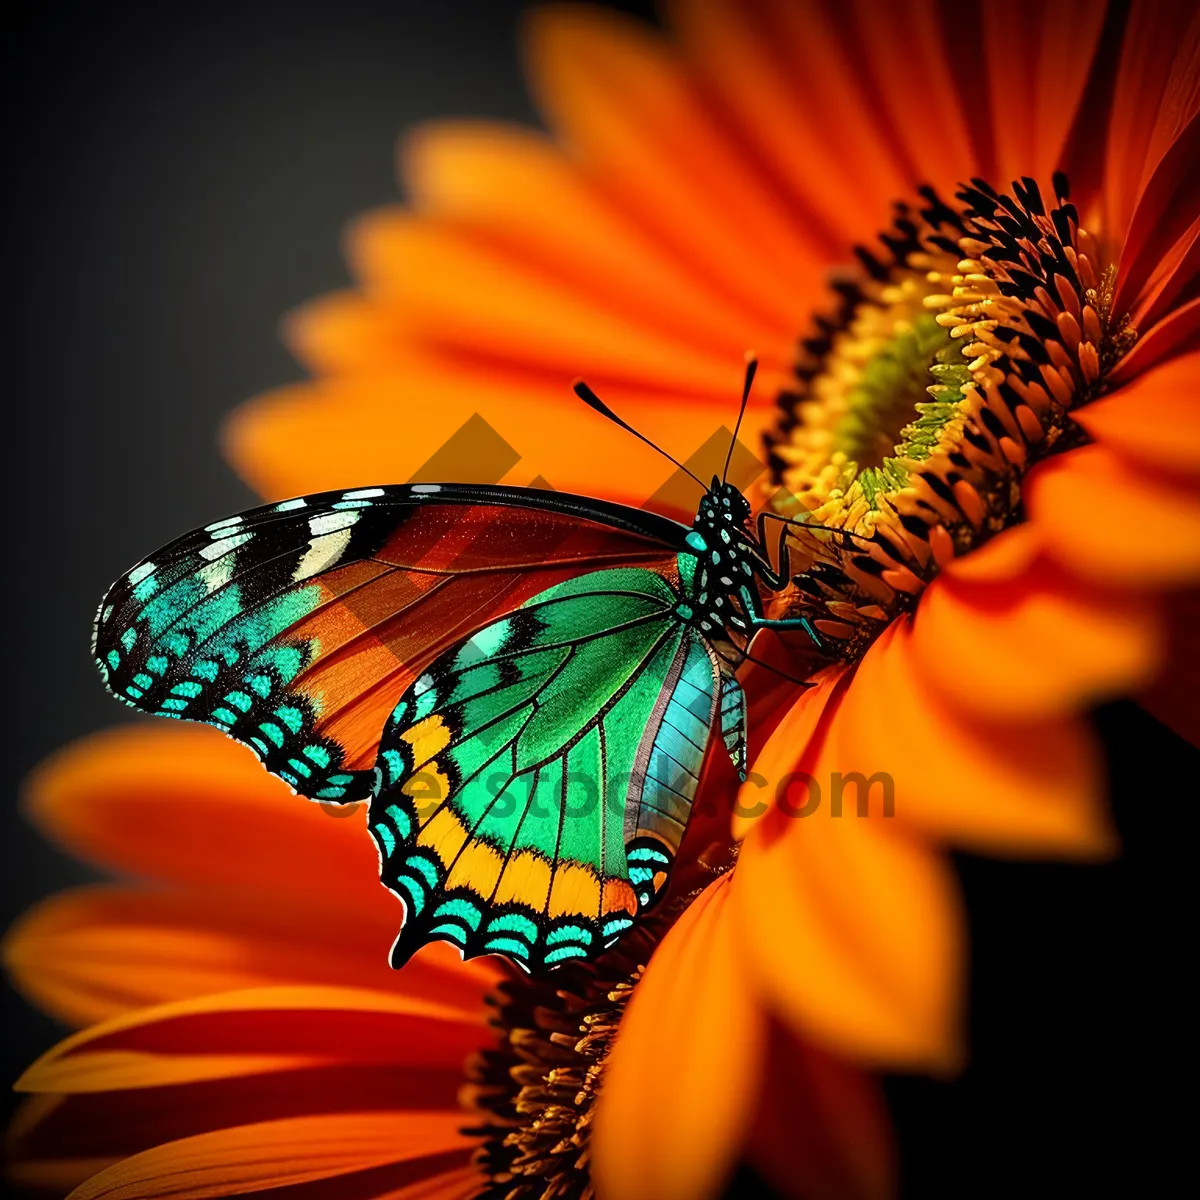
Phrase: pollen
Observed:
(951, 366)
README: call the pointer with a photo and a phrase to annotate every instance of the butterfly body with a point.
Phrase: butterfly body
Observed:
(522, 684)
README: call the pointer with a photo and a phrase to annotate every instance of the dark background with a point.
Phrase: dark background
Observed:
(177, 180)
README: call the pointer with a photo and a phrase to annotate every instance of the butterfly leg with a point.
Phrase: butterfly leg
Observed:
(751, 604)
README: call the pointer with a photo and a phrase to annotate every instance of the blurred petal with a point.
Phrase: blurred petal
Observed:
(1174, 696)
(183, 803)
(345, 332)
(1024, 789)
(625, 103)
(798, 734)
(309, 437)
(274, 1154)
(689, 1052)
(88, 955)
(1114, 524)
(1007, 557)
(522, 193)
(1038, 645)
(461, 288)
(1155, 420)
(56, 1175)
(236, 1033)
(854, 934)
(821, 1130)
(121, 1122)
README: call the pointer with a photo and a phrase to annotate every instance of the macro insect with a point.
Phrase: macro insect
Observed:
(521, 683)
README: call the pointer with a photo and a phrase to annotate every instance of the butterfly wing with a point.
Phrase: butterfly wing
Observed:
(296, 627)
(535, 781)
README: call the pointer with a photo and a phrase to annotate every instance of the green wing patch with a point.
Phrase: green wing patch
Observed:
(508, 772)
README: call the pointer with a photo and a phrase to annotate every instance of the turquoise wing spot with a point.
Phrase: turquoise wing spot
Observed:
(386, 838)
(561, 953)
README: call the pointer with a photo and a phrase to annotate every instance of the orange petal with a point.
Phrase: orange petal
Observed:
(821, 1130)
(345, 332)
(184, 804)
(522, 194)
(1175, 333)
(1154, 96)
(797, 94)
(88, 955)
(440, 420)
(256, 1031)
(57, 1175)
(854, 935)
(446, 1185)
(625, 103)
(1008, 556)
(1036, 646)
(115, 1124)
(1174, 697)
(1037, 61)
(996, 788)
(1154, 420)
(1168, 282)
(275, 1154)
(690, 1023)
(1167, 206)
(1115, 524)
(911, 51)
(794, 739)
(460, 288)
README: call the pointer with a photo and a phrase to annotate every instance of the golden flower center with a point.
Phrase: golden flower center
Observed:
(951, 368)
(537, 1089)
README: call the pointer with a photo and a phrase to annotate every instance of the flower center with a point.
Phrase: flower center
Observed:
(951, 367)
(536, 1090)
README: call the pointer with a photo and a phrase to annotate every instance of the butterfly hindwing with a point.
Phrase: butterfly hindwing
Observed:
(295, 627)
(534, 782)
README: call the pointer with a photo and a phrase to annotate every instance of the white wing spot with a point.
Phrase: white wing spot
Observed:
(216, 549)
(426, 488)
(217, 574)
(331, 522)
(321, 554)
(290, 505)
(140, 573)
(225, 524)
(363, 494)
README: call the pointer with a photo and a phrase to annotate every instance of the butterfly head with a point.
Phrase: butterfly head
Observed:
(724, 508)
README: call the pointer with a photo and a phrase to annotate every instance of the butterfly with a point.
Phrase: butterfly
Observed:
(521, 683)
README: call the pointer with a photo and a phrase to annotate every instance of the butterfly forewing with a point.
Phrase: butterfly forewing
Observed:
(296, 627)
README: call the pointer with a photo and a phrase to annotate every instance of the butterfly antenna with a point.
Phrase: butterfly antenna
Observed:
(590, 398)
(751, 370)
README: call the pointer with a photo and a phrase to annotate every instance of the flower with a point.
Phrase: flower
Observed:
(988, 565)
(691, 203)
(243, 1031)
